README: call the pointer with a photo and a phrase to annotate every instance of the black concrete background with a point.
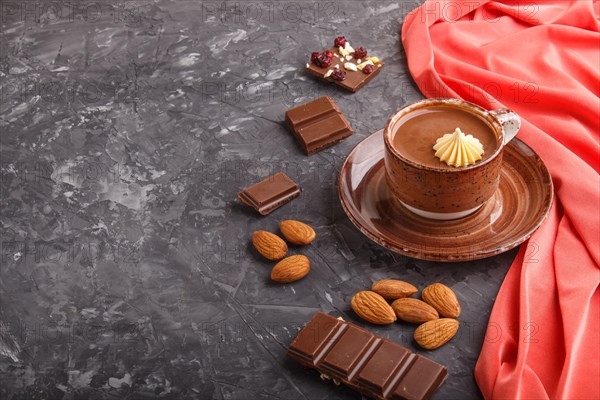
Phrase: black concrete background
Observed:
(127, 127)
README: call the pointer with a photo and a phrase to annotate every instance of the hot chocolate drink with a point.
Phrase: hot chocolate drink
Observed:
(418, 131)
(470, 144)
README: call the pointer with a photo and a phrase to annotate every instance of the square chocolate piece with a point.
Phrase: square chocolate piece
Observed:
(318, 124)
(353, 80)
(270, 193)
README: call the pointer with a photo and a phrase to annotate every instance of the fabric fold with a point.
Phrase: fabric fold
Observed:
(542, 61)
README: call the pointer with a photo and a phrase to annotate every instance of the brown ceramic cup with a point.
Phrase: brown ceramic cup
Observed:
(442, 192)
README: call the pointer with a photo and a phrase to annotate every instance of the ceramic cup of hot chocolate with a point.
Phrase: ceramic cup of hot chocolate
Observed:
(433, 188)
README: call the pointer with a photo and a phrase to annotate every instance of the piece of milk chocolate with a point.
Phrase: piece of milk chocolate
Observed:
(318, 124)
(270, 193)
(354, 80)
(368, 363)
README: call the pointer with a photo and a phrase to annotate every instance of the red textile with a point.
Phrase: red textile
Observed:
(541, 59)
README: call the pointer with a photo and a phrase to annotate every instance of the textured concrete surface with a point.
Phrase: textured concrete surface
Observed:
(127, 127)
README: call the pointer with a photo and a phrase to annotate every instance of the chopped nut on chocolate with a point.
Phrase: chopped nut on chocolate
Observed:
(350, 66)
(348, 48)
(360, 66)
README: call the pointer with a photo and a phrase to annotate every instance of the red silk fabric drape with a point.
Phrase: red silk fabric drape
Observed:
(541, 59)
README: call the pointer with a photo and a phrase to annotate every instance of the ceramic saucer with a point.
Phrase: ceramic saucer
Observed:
(516, 210)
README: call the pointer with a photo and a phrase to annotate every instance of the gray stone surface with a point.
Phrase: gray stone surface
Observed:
(127, 127)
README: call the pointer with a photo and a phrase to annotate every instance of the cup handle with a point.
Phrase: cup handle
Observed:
(511, 122)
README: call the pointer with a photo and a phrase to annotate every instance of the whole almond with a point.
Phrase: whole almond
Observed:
(436, 333)
(443, 299)
(271, 246)
(414, 310)
(373, 308)
(291, 269)
(392, 289)
(297, 232)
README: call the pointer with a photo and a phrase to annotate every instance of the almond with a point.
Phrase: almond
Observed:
(443, 299)
(363, 64)
(392, 289)
(414, 310)
(271, 246)
(297, 232)
(436, 333)
(291, 269)
(373, 308)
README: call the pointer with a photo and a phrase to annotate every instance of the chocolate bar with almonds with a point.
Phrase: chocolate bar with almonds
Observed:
(368, 363)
